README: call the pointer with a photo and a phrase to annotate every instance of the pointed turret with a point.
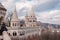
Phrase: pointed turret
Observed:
(15, 22)
(14, 16)
(30, 18)
(31, 11)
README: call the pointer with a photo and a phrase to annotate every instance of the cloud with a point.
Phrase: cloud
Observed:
(45, 10)
(39, 5)
(50, 17)
(9, 4)
(21, 17)
(47, 5)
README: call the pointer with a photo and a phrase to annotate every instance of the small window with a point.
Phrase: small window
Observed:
(9, 34)
(13, 24)
(22, 33)
(21, 25)
(34, 21)
(30, 21)
(31, 16)
(14, 33)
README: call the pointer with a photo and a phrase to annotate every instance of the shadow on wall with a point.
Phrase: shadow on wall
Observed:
(3, 28)
(1, 18)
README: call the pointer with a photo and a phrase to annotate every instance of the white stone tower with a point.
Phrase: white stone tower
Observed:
(15, 22)
(30, 18)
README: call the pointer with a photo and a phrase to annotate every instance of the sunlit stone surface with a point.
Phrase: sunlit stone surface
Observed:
(6, 36)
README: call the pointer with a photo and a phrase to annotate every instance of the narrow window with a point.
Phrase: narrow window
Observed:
(34, 21)
(30, 21)
(13, 24)
(14, 33)
(9, 34)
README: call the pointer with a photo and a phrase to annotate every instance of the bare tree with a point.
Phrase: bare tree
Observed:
(9, 16)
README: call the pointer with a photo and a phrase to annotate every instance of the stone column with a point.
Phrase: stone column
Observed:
(6, 36)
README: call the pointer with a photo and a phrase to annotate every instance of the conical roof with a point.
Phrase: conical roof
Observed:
(31, 11)
(14, 16)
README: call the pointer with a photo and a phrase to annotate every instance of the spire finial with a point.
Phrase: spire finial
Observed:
(32, 10)
(15, 9)
(14, 16)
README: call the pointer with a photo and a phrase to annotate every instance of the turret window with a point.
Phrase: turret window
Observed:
(31, 16)
(13, 24)
(30, 21)
(22, 33)
(9, 34)
(14, 33)
(21, 25)
(34, 21)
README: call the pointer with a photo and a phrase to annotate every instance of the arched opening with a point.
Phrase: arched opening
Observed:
(22, 33)
(31, 16)
(21, 25)
(13, 24)
(14, 34)
(34, 20)
(9, 34)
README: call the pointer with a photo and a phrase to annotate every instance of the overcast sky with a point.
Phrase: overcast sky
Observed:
(47, 11)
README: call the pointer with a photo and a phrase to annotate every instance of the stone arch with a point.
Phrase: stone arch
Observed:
(14, 34)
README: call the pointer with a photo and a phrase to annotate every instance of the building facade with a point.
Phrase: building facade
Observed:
(18, 30)
(2, 12)
(30, 19)
(15, 31)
